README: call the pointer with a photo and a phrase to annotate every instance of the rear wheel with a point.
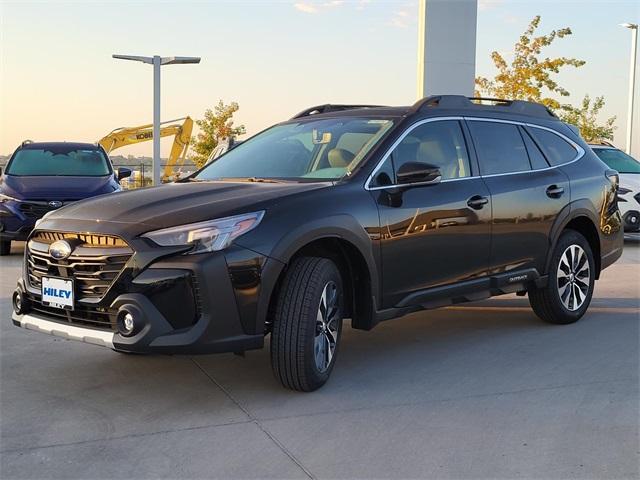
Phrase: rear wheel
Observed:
(568, 293)
(307, 324)
(5, 247)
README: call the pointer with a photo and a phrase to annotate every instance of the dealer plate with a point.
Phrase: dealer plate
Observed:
(57, 292)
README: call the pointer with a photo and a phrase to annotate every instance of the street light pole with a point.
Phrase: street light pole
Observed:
(157, 61)
(632, 81)
(156, 119)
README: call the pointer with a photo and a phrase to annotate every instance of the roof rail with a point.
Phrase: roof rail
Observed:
(460, 101)
(26, 142)
(329, 108)
(603, 143)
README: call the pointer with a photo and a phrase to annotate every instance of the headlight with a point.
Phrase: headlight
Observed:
(623, 191)
(208, 236)
(6, 198)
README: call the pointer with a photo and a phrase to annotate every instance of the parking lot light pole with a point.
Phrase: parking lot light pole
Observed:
(157, 61)
(632, 81)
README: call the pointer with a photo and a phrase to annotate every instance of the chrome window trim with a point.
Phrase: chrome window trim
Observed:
(409, 129)
(580, 151)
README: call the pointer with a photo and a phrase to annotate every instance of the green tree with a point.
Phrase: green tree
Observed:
(216, 125)
(585, 117)
(528, 76)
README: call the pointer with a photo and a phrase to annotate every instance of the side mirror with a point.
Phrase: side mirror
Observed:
(418, 172)
(123, 172)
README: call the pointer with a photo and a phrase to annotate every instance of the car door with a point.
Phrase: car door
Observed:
(527, 193)
(431, 234)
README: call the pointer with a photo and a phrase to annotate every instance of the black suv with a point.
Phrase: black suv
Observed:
(357, 212)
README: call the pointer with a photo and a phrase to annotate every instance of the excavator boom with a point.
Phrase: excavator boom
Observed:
(121, 137)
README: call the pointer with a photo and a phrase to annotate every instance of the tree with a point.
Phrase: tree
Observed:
(216, 125)
(585, 118)
(528, 75)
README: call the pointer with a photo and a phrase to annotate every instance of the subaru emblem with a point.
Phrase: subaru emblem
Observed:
(55, 203)
(60, 249)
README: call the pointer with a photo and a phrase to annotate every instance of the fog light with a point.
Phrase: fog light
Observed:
(127, 322)
(20, 303)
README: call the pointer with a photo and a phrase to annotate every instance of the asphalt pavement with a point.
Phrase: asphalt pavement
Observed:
(482, 390)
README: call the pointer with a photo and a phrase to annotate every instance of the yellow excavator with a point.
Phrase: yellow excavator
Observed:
(121, 137)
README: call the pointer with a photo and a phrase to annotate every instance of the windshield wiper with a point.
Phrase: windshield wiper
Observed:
(263, 180)
(236, 179)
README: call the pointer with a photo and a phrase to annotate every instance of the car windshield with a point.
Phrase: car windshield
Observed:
(618, 160)
(59, 161)
(324, 149)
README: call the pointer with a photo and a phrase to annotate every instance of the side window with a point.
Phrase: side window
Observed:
(439, 143)
(385, 175)
(556, 149)
(535, 155)
(500, 147)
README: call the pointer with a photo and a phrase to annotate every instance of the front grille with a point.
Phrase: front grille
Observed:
(637, 197)
(98, 318)
(87, 239)
(94, 264)
(35, 209)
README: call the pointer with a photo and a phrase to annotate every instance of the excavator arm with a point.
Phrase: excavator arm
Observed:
(121, 137)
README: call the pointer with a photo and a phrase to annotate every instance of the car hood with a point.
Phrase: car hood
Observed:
(630, 181)
(54, 188)
(142, 210)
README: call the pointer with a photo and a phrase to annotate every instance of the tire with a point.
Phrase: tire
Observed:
(307, 324)
(5, 247)
(568, 293)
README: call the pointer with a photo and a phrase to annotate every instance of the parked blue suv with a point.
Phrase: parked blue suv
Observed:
(41, 177)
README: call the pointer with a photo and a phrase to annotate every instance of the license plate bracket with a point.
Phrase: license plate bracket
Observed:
(58, 292)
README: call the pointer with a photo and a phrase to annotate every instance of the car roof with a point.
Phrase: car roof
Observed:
(598, 146)
(69, 145)
(436, 106)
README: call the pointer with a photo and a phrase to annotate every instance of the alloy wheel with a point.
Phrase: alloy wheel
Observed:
(327, 327)
(573, 277)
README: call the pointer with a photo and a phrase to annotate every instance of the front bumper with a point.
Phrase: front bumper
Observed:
(41, 324)
(181, 304)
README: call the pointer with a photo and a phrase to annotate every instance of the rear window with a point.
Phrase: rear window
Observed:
(557, 150)
(59, 161)
(500, 147)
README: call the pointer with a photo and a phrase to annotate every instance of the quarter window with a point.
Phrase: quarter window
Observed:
(556, 149)
(500, 147)
(535, 155)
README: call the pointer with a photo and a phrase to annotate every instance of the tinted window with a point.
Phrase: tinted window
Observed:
(314, 149)
(618, 160)
(59, 161)
(556, 149)
(535, 155)
(500, 147)
(439, 143)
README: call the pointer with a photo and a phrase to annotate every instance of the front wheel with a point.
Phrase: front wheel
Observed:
(568, 293)
(307, 324)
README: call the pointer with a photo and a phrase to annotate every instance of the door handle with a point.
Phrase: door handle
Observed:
(477, 202)
(554, 191)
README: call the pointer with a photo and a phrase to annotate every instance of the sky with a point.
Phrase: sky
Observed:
(275, 58)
